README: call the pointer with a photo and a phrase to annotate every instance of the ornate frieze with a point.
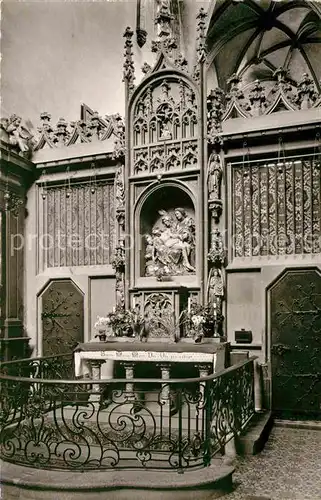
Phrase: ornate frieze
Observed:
(258, 98)
(79, 225)
(91, 127)
(276, 208)
(165, 129)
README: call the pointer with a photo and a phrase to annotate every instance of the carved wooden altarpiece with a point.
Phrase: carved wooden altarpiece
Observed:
(163, 180)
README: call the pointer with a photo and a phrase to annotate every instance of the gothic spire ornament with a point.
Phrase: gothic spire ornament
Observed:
(128, 68)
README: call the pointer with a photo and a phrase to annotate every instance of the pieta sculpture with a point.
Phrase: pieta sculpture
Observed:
(171, 245)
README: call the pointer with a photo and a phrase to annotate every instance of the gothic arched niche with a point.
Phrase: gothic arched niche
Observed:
(167, 228)
(165, 127)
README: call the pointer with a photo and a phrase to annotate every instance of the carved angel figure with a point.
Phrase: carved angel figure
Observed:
(17, 134)
(214, 177)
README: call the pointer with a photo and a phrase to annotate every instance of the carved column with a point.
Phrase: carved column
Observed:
(204, 371)
(96, 373)
(16, 174)
(165, 374)
(129, 374)
(12, 260)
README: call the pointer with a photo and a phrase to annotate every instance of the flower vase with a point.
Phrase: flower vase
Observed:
(102, 335)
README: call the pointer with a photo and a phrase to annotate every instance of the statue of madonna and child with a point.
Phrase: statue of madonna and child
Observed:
(171, 246)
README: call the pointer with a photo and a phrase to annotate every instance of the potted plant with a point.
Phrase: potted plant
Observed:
(201, 321)
(123, 321)
(101, 326)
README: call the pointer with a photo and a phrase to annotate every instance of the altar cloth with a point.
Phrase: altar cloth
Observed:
(110, 351)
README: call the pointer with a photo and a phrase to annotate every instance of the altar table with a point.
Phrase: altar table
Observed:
(89, 357)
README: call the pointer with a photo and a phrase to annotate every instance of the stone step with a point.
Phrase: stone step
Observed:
(20, 483)
(255, 436)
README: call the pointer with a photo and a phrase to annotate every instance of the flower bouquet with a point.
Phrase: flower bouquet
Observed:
(122, 322)
(102, 326)
(200, 320)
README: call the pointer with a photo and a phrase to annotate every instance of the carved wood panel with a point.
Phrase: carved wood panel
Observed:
(296, 344)
(62, 317)
(165, 129)
(276, 208)
(79, 225)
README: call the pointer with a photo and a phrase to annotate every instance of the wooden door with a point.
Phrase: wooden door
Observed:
(62, 317)
(296, 344)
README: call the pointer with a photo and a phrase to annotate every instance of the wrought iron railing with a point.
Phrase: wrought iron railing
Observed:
(54, 423)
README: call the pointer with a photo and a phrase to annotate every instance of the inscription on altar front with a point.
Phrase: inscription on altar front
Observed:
(154, 356)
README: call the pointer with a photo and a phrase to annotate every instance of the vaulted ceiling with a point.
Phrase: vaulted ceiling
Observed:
(255, 37)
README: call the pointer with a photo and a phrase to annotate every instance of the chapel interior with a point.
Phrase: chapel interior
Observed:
(186, 225)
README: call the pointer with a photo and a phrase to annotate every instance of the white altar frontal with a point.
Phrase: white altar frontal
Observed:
(96, 360)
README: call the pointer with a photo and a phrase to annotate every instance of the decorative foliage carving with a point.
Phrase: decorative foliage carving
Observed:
(146, 68)
(120, 196)
(215, 111)
(15, 134)
(306, 92)
(129, 70)
(159, 315)
(13, 203)
(217, 252)
(165, 128)
(171, 248)
(276, 208)
(257, 99)
(89, 128)
(200, 42)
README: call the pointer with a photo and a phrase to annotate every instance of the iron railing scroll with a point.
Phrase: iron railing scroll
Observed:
(51, 422)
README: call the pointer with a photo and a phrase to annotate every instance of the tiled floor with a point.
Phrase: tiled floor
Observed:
(289, 468)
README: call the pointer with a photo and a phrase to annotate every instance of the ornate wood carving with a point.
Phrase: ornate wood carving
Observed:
(119, 266)
(91, 127)
(79, 227)
(62, 317)
(165, 129)
(170, 248)
(129, 70)
(15, 134)
(258, 98)
(276, 208)
(120, 196)
(200, 42)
